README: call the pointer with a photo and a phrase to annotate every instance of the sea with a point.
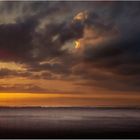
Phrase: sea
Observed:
(69, 122)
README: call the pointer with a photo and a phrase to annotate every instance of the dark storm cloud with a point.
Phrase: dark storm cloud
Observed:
(15, 40)
(122, 64)
(40, 33)
(121, 58)
(122, 51)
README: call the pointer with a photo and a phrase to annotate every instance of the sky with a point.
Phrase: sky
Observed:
(68, 53)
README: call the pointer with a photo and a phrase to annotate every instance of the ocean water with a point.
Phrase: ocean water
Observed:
(69, 123)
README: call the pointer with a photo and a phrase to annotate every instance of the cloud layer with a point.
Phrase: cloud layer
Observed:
(41, 36)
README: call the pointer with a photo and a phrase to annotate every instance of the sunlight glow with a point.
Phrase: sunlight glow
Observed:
(77, 44)
(81, 16)
(12, 66)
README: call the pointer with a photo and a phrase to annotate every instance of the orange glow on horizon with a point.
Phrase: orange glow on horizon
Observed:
(60, 99)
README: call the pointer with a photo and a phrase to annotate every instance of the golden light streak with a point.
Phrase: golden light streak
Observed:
(77, 44)
(31, 95)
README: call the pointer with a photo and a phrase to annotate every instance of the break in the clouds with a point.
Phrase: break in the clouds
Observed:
(90, 44)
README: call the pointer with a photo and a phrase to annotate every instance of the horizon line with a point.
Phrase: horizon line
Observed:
(138, 107)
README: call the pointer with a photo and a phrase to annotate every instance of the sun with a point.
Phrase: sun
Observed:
(81, 16)
(77, 44)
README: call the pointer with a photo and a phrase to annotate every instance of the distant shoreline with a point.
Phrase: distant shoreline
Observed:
(66, 107)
